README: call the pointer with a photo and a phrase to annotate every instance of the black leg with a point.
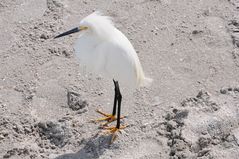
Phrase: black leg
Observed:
(119, 98)
(115, 99)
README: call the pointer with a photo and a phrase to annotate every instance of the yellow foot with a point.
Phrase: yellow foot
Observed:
(113, 130)
(108, 118)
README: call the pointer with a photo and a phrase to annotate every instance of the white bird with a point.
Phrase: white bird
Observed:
(105, 50)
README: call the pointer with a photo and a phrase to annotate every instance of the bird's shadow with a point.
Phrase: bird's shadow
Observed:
(93, 148)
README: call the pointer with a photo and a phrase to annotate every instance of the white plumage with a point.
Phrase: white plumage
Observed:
(105, 50)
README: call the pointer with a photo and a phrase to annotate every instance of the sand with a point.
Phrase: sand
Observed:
(189, 47)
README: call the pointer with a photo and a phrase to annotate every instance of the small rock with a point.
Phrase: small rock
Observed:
(44, 36)
(235, 23)
(180, 145)
(16, 151)
(227, 145)
(175, 110)
(57, 133)
(27, 130)
(195, 147)
(171, 125)
(169, 116)
(170, 143)
(1, 137)
(181, 114)
(203, 142)
(236, 89)
(235, 40)
(183, 155)
(75, 101)
(215, 141)
(214, 106)
(9, 154)
(223, 91)
(161, 132)
(33, 156)
(206, 12)
(66, 53)
(203, 95)
(176, 134)
(236, 135)
(203, 153)
(229, 89)
(4, 133)
(194, 32)
(172, 152)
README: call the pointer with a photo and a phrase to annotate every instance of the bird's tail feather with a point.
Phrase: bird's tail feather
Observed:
(146, 82)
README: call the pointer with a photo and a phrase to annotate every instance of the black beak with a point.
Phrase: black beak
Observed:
(75, 30)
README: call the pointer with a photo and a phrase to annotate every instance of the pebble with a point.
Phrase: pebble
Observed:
(180, 145)
(171, 125)
(236, 89)
(194, 32)
(203, 153)
(223, 91)
(1, 137)
(44, 36)
(75, 101)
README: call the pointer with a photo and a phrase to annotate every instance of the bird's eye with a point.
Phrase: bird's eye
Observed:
(83, 27)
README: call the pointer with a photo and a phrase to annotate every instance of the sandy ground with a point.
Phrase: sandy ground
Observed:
(189, 47)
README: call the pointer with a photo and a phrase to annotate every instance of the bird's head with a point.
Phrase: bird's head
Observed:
(95, 23)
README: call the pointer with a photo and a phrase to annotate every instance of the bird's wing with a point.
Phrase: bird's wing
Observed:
(118, 63)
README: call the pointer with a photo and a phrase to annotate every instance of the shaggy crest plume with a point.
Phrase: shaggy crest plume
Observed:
(98, 23)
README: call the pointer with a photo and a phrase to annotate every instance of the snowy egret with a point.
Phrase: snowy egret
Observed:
(105, 50)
